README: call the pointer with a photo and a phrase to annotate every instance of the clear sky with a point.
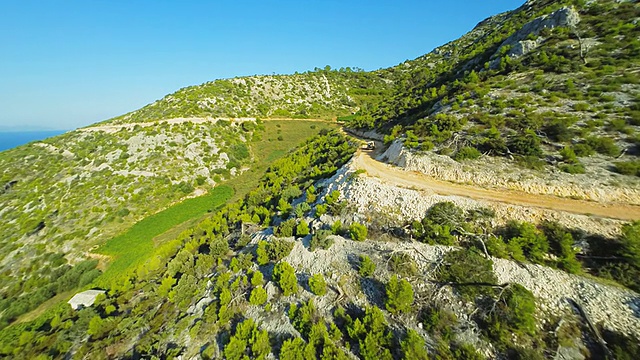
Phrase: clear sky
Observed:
(66, 64)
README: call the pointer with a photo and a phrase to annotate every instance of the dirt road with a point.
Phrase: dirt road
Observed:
(414, 180)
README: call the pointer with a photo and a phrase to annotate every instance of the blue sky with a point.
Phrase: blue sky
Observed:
(66, 64)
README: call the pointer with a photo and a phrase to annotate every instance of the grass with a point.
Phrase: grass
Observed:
(268, 149)
(137, 243)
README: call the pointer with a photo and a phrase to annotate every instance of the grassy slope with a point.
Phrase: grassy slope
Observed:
(138, 242)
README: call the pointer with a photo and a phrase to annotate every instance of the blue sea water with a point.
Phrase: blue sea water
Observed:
(12, 139)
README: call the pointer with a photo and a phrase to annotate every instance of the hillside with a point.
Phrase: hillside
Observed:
(550, 87)
(329, 252)
(323, 93)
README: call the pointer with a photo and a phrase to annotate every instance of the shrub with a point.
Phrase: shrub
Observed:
(257, 278)
(525, 236)
(439, 322)
(366, 267)
(285, 276)
(321, 209)
(399, 295)
(603, 145)
(336, 227)
(514, 312)
(530, 162)
(275, 250)
(527, 144)
(321, 240)
(372, 334)
(413, 346)
(582, 150)
(357, 232)
(568, 155)
(467, 153)
(285, 229)
(262, 257)
(573, 168)
(465, 269)
(258, 296)
(302, 229)
(630, 242)
(445, 213)
(318, 285)
(403, 264)
(628, 167)
(301, 209)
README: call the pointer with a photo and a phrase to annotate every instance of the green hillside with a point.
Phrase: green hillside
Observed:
(223, 220)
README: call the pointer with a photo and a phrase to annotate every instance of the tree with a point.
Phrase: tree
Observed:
(372, 334)
(527, 144)
(258, 296)
(302, 229)
(468, 271)
(296, 349)
(399, 295)
(513, 312)
(357, 231)
(257, 278)
(366, 266)
(413, 346)
(525, 236)
(285, 277)
(318, 285)
(261, 252)
(445, 213)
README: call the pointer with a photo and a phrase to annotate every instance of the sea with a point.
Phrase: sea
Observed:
(11, 139)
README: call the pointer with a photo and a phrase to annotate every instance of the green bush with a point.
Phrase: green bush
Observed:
(372, 334)
(399, 295)
(603, 145)
(582, 150)
(321, 209)
(302, 229)
(258, 296)
(573, 168)
(467, 153)
(568, 155)
(274, 250)
(366, 267)
(257, 278)
(469, 272)
(318, 285)
(285, 229)
(321, 240)
(403, 264)
(413, 346)
(513, 313)
(628, 167)
(527, 144)
(285, 276)
(336, 227)
(445, 213)
(439, 322)
(530, 162)
(630, 241)
(525, 236)
(357, 232)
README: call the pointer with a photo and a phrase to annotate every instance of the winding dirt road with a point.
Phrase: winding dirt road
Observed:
(396, 176)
